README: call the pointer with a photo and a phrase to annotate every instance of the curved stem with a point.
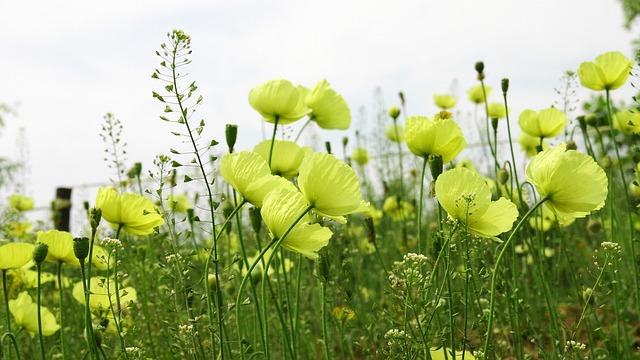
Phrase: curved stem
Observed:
(494, 276)
(301, 130)
(513, 157)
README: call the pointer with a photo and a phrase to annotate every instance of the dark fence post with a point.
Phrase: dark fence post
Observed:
(61, 208)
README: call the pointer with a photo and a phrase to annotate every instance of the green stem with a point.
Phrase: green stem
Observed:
(273, 140)
(301, 130)
(627, 200)
(420, 202)
(325, 337)
(87, 298)
(6, 299)
(513, 157)
(494, 276)
(40, 336)
(60, 293)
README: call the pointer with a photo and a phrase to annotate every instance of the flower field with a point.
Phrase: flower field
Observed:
(385, 246)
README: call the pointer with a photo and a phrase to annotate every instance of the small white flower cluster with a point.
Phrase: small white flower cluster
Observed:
(394, 336)
(173, 258)
(133, 350)
(112, 243)
(575, 345)
(611, 246)
(185, 329)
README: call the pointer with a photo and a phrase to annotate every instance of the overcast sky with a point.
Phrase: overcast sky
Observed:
(66, 63)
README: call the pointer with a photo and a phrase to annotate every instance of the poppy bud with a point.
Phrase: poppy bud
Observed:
(135, 170)
(81, 248)
(255, 218)
(40, 253)
(345, 141)
(435, 164)
(502, 176)
(323, 268)
(231, 134)
(505, 85)
(401, 96)
(594, 226)
(95, 215)
(394, 112)
(327, 145)
(571, 145)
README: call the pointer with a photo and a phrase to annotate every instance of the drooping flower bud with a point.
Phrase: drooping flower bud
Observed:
(571, 145)
(435, 164)
(502, 176)
(255, 218)
(95, 215)
(327, 146)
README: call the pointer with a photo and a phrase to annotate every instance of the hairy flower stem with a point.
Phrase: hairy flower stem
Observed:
(304, 126)
(513, 157)
(627, 200)
(325, 337)
(494, 276)
(87, 298)
(205, 178)
(245, 262)
(6, 305)
(273, 244)
(40, 336)
(273, 140)
(60, 294)
(402, 194)
(420, 204)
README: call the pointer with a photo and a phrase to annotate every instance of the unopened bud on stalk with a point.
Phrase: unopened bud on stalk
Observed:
(256, 219)
(480, 70)
(95, 215)
(394, 112)
(435, 164)
(327, 146)
(40, 253)
(323, 268)
(81, 248)
(401, 96)
(231, 134)
(571, 145)
(345, 141)
(502, 176)
(505, 85)
(135, 171)
(494, 123)
(591, 119)
(594, 226)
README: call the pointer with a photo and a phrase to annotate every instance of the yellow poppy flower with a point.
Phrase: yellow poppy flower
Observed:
(497, 111)
(627, 121)
(545, 123)
(436, 136)
(286, 157)
(20, 202)
(545, 219)
(19, 229)
(476, 95)
(278, 99)
(573, 183)
(60, 245)
(330, 185)
(28, 279)
(282, 207)
(529, 144)
(444, 101)
(328, 108)
(397, 210)
(25, 313)
(101, 292)
(360, 156)
(439, 354)
(179, 203)
(466, 197)
(467, 164)
(15, 255)
(249, 174)
(609, 71)
(394, 133)
(135, 213)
